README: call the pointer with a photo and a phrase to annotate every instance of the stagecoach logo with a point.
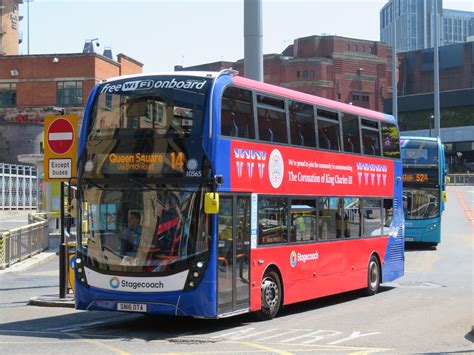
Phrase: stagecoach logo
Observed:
(250, 159)
(372, 174)
(148, 84)
(302, 258)
(114, 282)
(293, 258)
(276, 168)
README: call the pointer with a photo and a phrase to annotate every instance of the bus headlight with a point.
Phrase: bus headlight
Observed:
(196, 272)
(431, 227)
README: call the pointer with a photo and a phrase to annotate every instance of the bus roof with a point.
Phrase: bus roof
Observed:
(200, 74)
(272, 89)
(297, 95)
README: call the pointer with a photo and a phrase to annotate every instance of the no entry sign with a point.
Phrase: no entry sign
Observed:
(60, 136)
(60, 147)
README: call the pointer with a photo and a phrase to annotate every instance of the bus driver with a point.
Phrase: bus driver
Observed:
(130, 236)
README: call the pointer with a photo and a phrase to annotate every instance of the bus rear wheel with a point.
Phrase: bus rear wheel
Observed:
(271, 293)
(373, 277)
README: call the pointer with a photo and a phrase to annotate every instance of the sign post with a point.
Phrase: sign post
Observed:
(60, 155)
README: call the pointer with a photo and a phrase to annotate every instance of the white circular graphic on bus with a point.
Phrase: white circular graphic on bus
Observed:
(276, 168)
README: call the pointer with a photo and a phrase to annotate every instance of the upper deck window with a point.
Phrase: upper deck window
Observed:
(328, 130)
(162, 108)
(350, 132)
(271, 118)
(370, 137)
(302, 126)
(390, 140)
(237, 113)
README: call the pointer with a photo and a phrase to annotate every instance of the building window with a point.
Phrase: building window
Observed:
(355, 47)
(108, 101)
(348, 47)
(305, 74)
(7, 94)
(69, 93)
(298, 74)
(369, 49)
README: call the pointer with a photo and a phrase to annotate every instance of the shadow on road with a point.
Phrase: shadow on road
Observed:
(110, 325)
(413, 246)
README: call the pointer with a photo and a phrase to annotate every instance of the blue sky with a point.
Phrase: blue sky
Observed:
(162, 33)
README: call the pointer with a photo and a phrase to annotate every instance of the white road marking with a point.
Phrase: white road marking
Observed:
(314, 336)
(354, 335)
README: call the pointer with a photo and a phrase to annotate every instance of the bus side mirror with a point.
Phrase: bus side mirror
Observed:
(211, 203)
(445, 196)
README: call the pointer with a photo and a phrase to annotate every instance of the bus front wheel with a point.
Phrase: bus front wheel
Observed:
(271, 293)
(373, 276)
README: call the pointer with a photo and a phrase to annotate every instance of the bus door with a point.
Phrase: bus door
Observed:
(233, 274)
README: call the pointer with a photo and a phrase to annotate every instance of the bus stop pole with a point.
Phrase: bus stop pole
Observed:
(62, 251)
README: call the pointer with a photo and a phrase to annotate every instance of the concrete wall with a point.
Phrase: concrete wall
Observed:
(19, 138)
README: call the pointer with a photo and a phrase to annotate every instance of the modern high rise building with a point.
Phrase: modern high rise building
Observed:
(457, 26)
(415, 24)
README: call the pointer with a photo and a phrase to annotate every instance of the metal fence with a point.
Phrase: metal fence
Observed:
(20, 243)
(18, 187)
(461, 179)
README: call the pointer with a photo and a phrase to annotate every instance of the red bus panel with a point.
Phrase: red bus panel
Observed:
(266, 169)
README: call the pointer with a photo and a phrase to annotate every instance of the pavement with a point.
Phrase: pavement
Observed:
(51, 300)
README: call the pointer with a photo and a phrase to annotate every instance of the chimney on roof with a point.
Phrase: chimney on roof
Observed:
(88, 48)
(108, 53)
(89, 45)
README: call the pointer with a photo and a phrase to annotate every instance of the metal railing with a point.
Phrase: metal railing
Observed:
(18, 187)
(460, 179)
(20, 243)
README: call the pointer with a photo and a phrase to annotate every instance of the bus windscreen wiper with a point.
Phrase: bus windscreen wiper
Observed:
(89, 181)
(141, 183)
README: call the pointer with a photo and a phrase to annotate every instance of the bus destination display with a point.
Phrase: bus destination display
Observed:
(412, 176)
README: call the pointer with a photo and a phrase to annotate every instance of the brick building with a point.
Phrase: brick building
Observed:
(10, 37)
(338, 68)
(35, 86)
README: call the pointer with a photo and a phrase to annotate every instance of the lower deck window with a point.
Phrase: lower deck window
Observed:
(272, 220)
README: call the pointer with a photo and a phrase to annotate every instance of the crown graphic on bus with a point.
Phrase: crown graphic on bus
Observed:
(251, 156)
(372, 173)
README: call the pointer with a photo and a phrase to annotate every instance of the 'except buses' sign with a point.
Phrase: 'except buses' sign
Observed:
(60, 147)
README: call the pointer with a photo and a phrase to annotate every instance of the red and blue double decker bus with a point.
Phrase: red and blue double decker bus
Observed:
(210, 195)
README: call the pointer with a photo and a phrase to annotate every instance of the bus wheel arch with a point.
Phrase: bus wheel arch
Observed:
(374, 275)
(271, 289)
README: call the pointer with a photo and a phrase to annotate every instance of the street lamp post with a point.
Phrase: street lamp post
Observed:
(459, 155)
(430, 120)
